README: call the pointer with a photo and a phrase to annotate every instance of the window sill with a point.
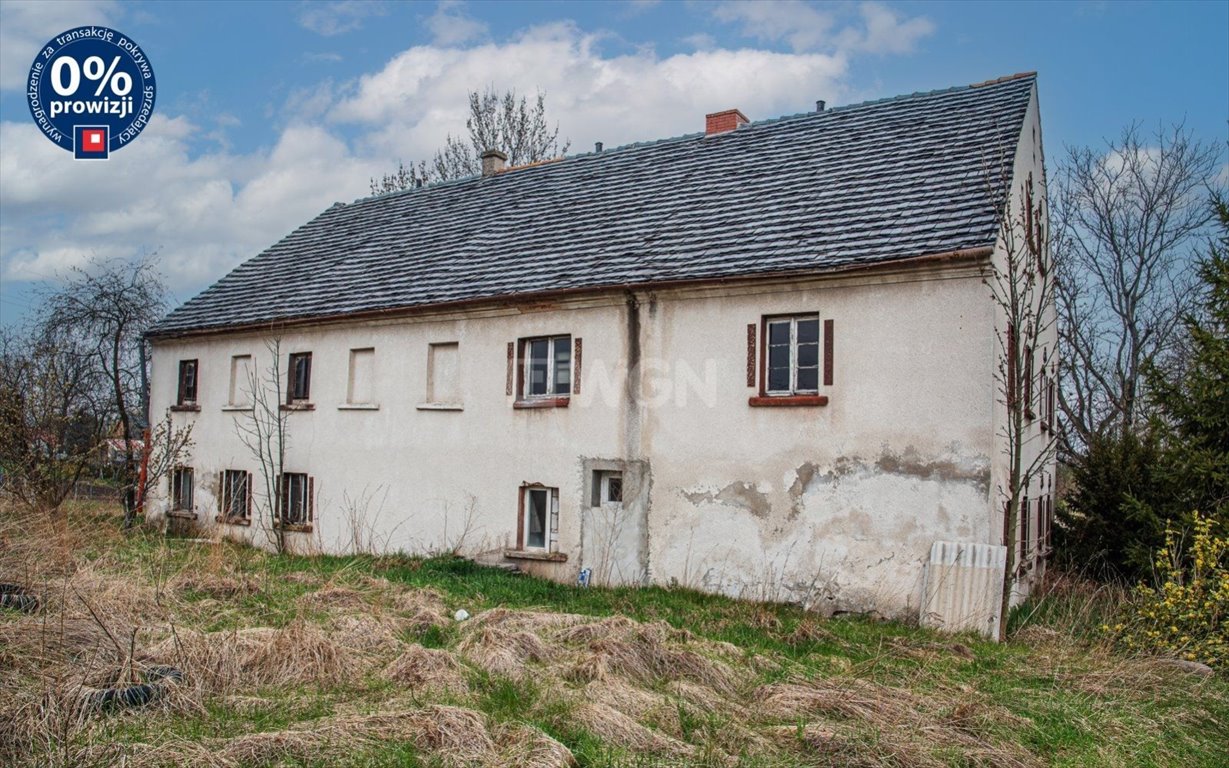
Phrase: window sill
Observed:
(185, 407)
(298, 406)
(542, 402)
(770, 401)
(536, 554)
(440, 407)
(358, 407)
(293, 527)
(232, 520)
(181, 514)
(236, 408)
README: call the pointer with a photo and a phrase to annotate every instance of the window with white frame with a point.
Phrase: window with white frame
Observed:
(791, 363)
(539, 517)
(547, 367)
(181, 489)
(607, 488)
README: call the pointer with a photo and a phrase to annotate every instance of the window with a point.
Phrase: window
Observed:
(362, 376)
(443, 384)
(299, 390)
(236, 499)
(240, 381)
(547, 370)
(296, 502)
(187, 383)
(1028, 382)
(607, 487)
(792, 365)
(181, 489)
(539, 524)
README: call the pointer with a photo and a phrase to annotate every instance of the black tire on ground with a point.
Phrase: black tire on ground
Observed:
(17, 598)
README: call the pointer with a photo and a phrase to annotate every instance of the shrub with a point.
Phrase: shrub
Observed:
(1186, 614)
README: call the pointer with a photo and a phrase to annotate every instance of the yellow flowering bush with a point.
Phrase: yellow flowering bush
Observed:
(1187, 614)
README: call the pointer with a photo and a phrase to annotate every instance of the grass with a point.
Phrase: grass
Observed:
(356, 661)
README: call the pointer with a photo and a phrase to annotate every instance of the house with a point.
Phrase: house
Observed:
(759, 360)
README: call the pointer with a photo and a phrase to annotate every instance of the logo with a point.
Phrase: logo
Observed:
(91, 91)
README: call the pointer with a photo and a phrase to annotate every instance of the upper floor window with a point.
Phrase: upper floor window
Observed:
(300, 375)
(547, 367)
(240, 381)
(792, 355)
(187, 383)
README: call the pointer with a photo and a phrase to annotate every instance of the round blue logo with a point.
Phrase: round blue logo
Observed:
(91, 91)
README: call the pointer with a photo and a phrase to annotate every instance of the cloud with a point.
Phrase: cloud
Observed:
(336, 18)
(450, 25)
(182, 191)
(26, 26)
(805, 27)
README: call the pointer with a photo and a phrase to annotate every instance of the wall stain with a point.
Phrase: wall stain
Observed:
(910, 464)
(737, 494)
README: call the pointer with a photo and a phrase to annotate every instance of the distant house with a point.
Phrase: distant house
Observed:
(758, 361)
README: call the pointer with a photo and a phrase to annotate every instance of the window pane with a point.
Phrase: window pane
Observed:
(778, 332)
(808, 330)
(538, 351)
(808, 379)
(535, 521)
(778, 379)
(614, 488)
(563, 365)
(808, 355)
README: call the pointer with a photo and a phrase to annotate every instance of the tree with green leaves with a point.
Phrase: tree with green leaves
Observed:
(506, 122)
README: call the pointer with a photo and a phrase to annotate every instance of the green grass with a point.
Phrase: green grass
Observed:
(1054, 693)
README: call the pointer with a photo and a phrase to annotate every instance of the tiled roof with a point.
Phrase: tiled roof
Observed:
(885, 180)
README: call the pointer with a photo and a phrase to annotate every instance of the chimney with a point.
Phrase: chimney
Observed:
(493, 162)
(820, 104)
(597, 146)
(723, 122)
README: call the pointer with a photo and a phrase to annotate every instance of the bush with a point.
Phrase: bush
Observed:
(1186, 615)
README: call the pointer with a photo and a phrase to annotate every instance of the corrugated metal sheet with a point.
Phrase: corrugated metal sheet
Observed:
(964, 587)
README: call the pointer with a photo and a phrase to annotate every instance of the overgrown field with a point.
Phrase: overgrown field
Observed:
(357, 661)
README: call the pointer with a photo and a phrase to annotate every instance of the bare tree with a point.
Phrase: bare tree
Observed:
(263, 430)
(106, 308)
(165, 448)
(496, 121)
(53, 413)
(1022, 286)
(1128, 220)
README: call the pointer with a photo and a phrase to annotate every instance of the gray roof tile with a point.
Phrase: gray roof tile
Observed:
(885, 180)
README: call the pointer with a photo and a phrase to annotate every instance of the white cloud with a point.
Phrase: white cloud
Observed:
(26, 26)
(206, 208)
(805, 27)
(450, 25)
(337, 18)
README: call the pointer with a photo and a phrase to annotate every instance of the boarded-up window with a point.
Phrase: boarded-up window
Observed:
(443, 373)
(361, 389)
(240, 381)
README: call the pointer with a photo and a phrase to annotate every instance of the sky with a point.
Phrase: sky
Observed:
(269, 112)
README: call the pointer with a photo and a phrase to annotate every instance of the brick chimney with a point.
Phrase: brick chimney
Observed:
(723, 122)
(493, 162)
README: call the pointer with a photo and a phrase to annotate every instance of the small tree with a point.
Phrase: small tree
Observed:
(105, 310)
(496, 121)
(263, 430)
(1022, 287)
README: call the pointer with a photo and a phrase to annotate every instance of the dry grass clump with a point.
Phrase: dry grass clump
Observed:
(219, 586)
(525, 745)
(367, 635)
(332, 598)
(618, 728)
(424, 609)
(504, 652)
(427, 670)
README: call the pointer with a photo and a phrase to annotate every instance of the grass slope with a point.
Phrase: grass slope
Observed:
(356, 661)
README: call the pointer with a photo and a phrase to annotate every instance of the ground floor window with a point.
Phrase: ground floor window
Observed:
(181, 489)
(296, 502)
(539, 527)
(236, 496)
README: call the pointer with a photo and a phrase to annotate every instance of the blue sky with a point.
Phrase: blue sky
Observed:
(269, 112)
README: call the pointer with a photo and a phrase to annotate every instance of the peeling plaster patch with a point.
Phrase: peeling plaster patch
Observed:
(737, 494)
(805, 476)
(909, 463)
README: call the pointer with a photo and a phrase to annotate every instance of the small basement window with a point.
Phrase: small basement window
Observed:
(300, 374)
(539, 527)
(187, 383)
(181, 490)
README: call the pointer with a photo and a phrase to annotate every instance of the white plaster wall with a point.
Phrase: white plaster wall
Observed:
(835, 505)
